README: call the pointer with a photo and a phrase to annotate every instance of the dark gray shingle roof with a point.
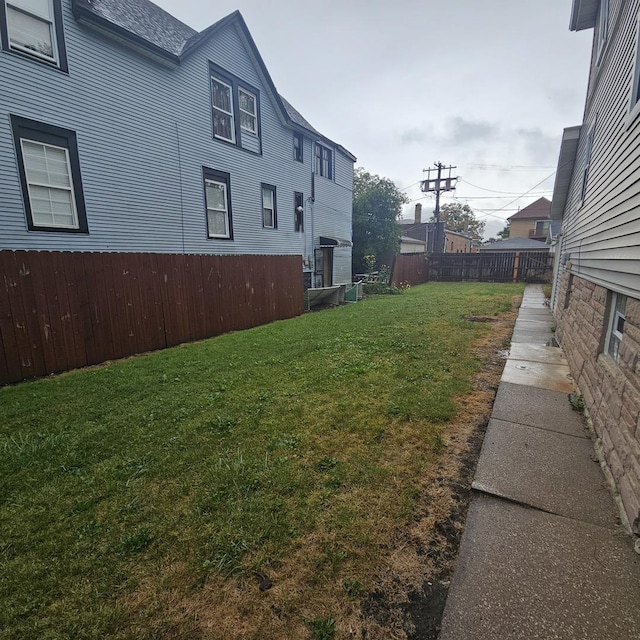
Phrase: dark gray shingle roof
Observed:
(143, 19)
(297, 117)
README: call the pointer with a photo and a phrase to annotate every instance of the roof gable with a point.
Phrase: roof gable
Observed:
(145, 26)
(538, 210)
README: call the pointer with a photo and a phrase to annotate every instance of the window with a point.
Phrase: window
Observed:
(236, 110)
(34, 28)
(587, 162)
(324, 162)
(542, 227)
(223, 120)
(298, 211)
(49, 170)
(217, 198)
(269, 209)
(602, 29)
(617, 321)
(248, 112)
(298, 147)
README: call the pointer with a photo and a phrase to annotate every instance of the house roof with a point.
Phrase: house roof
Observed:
(583, 14)
(409, 240)
(467, 236)
(538, 210)
(143, 19)
(515, 244)
(145, 26)
(566, 162)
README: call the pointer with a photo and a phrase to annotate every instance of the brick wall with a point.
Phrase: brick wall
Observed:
(611, 390)
(455, 243)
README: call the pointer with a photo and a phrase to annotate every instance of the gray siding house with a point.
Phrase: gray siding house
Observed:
(596, 296)
(124, 130)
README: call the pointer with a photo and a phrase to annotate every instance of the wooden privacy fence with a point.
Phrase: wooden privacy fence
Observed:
(63, 310)
(411, 268)
(497, 266)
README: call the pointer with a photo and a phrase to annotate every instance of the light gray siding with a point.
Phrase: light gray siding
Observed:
(144, 134)
(601, 235)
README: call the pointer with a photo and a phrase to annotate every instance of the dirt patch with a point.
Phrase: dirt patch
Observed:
(409, 603)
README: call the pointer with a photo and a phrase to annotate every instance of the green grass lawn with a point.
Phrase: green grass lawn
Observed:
(133, 491)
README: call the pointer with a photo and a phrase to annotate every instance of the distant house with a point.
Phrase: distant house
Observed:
(454, 241)
(515, 244)
(596, 298)
(411, 245)
(532, 221)
(124, 130)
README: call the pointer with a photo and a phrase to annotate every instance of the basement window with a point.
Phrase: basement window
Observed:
(617, 321)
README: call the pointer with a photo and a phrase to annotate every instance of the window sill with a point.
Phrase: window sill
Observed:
(39, 61)
(58, 230)
(235, 145)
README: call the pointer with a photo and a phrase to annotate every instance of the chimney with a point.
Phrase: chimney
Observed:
(418, 219)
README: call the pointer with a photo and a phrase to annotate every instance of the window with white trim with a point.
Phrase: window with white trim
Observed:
(602, 29)
(617, 319)
(235, 110)
(49, 171)
(269, 208)
(218, 203)
(223, 119)
(324, 162)
(247, 105)
(34, 28)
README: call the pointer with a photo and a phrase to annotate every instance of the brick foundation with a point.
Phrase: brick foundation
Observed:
(611, 391)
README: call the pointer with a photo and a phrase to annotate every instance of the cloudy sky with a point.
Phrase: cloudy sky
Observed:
(487, 85)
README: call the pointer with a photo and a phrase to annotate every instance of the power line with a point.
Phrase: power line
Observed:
(495, 197)
(508, 193)
(409, 187)
(506, 167)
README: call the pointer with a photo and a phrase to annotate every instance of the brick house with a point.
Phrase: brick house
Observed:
(596, 297)
(454, 241)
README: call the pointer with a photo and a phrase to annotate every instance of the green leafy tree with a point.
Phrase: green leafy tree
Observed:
(504, 233)
(377, 207)
(460, 217)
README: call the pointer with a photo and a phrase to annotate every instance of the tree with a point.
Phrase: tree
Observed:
(460, 217)
(377, 206)
(505, 232)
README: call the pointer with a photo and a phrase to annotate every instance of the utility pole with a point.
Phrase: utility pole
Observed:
(438, 184)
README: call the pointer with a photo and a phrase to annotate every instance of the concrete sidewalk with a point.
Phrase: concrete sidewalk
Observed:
(543, 554)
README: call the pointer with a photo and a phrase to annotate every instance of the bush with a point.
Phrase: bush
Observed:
(380, 288)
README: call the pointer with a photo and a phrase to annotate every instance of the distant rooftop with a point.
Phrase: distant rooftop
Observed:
(538, 210)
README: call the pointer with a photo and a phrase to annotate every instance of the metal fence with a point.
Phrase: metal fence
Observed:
(497, 266)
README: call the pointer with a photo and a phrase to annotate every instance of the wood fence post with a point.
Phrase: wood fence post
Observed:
(516, 264)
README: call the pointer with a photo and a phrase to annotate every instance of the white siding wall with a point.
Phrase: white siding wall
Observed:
(602, 234)
(144, 133)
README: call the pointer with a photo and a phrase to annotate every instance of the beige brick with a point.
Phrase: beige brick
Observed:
(631, 503)
(615, 465)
